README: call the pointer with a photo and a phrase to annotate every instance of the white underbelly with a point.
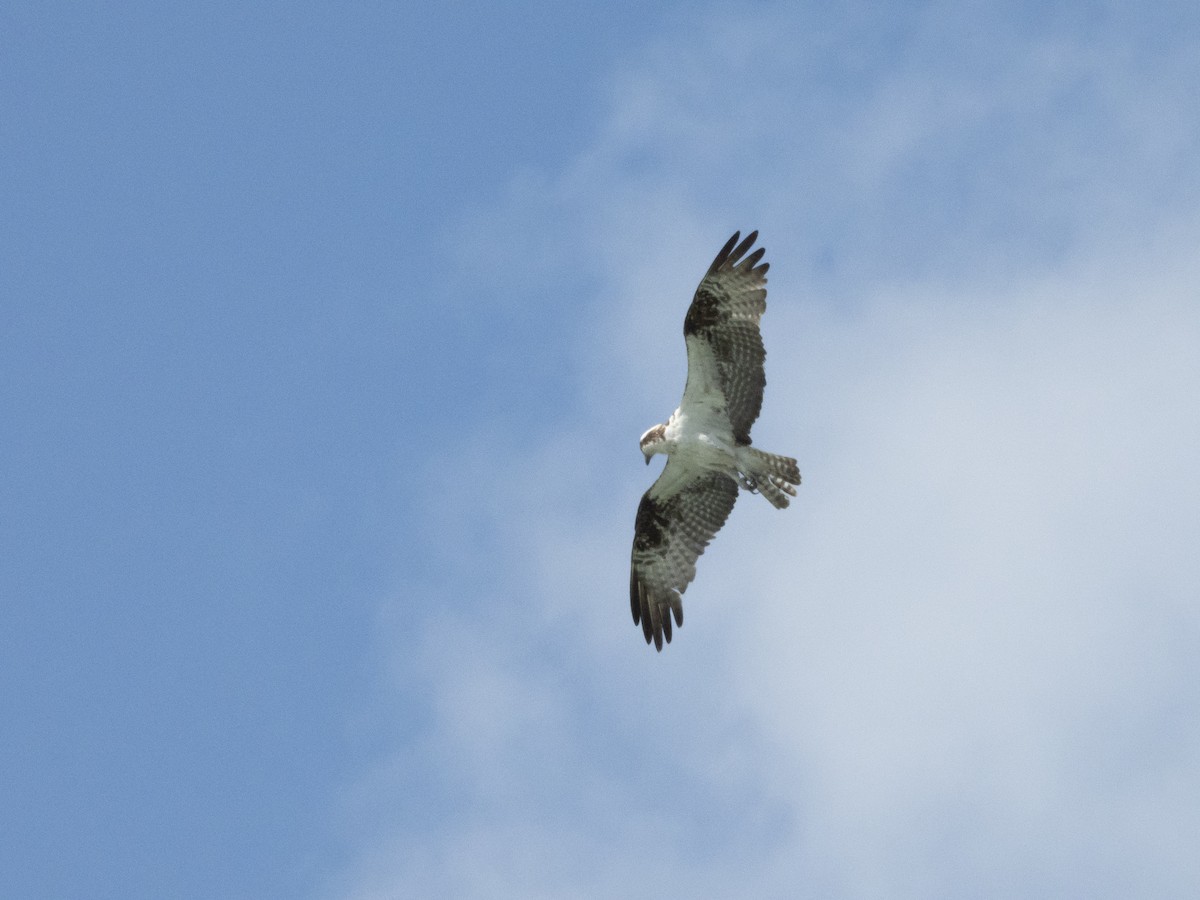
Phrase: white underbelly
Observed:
(706, 443)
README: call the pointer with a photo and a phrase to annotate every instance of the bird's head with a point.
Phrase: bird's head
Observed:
(652, 441)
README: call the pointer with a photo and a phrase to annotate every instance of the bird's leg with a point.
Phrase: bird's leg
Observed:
(747, 483)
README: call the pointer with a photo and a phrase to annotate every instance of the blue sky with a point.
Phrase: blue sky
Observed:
(327, 337)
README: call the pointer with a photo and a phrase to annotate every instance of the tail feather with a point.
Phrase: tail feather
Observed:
(774, 476)
(776, 490)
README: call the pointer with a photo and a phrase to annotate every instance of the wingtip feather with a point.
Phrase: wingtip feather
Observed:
(743, 247)
(752, 260)
(724, 253)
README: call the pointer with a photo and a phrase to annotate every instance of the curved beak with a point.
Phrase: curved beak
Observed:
(647, 455)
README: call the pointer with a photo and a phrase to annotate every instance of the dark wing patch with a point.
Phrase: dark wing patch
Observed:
(669, 535)
(724, 317)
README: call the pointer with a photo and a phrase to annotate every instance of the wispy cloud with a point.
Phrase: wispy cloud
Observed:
(964, 662)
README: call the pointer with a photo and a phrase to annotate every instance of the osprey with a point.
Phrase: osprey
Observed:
(707, 440)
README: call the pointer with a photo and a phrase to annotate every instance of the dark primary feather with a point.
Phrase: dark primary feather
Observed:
(670, 534)
(724, 317)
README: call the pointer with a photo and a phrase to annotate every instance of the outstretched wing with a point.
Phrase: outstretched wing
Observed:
(724, 346)
(675, 521)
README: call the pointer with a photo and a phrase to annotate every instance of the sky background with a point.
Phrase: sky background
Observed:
(327, 333)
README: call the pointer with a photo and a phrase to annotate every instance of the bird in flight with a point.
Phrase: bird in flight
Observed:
(706, 440)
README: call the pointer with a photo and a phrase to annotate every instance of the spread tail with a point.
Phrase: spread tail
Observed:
(772, 476)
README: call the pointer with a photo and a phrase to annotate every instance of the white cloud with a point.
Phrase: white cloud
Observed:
(964, 662)
(991, 607)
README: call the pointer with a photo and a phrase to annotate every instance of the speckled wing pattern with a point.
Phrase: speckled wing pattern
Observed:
(670, 533)
(721, 331)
